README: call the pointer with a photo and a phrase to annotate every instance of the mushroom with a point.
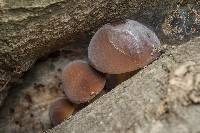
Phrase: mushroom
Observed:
(81, 83)
(123, 47)
(60, 110)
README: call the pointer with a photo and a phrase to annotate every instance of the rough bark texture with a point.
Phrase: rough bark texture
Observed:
(162, 98)
(31, 29)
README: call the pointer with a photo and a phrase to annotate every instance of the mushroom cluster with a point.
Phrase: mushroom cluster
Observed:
(115, 48)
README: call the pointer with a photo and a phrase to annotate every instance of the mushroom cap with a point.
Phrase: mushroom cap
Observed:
(124, 47)
(60, 110)
(81, 82)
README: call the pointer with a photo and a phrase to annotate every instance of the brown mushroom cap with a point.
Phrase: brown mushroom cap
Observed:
(60, 110)
(125, 47)
(81, 83)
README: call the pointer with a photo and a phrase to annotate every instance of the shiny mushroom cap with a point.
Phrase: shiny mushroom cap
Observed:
(123, 47)
(81, 82)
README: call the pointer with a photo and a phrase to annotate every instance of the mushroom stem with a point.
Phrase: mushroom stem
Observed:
(112, 80)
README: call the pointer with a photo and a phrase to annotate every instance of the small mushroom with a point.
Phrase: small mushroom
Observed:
(60, 110)
(123, 47)
(81, 83)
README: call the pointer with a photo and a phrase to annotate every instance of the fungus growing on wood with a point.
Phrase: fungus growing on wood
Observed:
(60, 110)
(123, 47)
(81, 82)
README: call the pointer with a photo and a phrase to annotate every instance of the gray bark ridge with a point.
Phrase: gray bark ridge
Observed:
(162, 98)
